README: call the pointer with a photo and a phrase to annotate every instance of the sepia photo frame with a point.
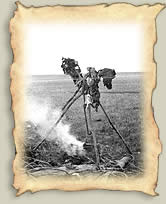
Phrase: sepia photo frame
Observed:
(146, 15)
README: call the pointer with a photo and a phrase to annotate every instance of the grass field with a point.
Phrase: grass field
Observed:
(122, 103)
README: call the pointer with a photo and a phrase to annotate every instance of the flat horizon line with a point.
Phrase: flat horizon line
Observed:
(83, 73)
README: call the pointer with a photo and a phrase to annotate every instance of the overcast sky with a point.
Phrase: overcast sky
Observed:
(116, 46)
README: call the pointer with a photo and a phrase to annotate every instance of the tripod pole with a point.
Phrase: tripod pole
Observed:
(59, 119)
(86, 121)
(116, 130)
(75, 93)
(94, 138)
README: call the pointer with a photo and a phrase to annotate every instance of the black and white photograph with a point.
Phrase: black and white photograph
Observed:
(87, 101)
(84, 99)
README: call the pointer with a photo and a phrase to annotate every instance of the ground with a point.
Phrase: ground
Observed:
(122, 103)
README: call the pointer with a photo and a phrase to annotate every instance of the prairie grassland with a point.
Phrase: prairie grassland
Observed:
(122, 103)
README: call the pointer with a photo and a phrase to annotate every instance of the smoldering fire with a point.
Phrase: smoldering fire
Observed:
(43, 118)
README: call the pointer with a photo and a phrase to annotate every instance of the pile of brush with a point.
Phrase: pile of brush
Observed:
(50, 158)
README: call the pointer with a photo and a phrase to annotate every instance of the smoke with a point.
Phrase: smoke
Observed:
(43, 118)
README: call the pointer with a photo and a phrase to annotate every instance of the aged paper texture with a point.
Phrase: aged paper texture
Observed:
(36, 168)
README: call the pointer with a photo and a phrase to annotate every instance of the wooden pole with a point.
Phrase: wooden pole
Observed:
(116, 130)
(94, 138)
(86, 120)
(75, 93)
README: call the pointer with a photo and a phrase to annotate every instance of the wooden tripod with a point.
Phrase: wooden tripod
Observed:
(88, 122)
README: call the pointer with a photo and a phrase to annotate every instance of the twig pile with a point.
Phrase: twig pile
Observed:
(51, 159)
